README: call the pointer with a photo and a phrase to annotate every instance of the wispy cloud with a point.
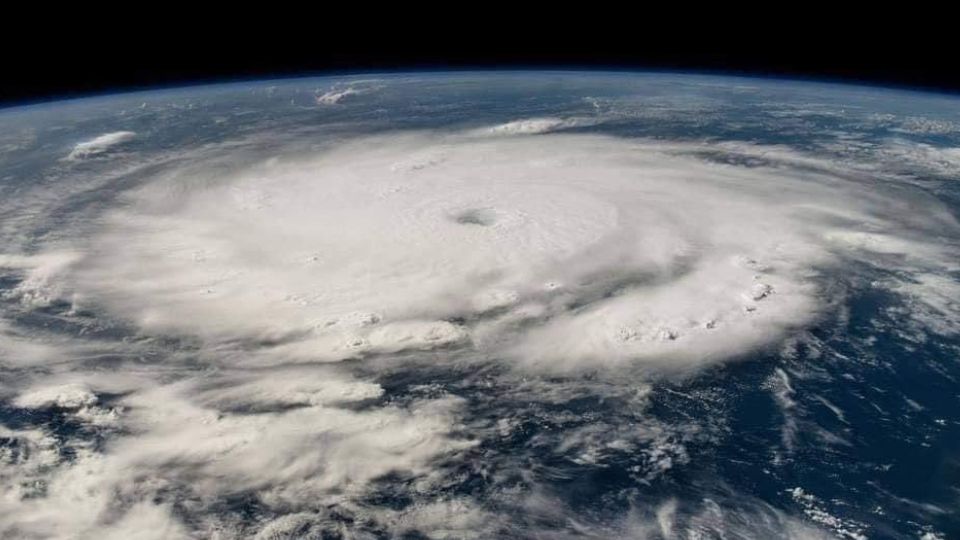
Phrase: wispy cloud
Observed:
(100, 145)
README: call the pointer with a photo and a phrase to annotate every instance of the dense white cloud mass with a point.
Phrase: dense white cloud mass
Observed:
(543, 253)
(613, 250)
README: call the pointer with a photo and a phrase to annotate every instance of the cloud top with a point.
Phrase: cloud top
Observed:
(609, 251)
(307, 308)
(99, 145)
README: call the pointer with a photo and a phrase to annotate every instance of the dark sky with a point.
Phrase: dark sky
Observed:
(72, 58)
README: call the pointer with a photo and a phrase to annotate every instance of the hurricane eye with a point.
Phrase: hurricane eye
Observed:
(483, 217)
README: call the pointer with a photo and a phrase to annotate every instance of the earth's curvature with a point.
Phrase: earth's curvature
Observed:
(482, 305)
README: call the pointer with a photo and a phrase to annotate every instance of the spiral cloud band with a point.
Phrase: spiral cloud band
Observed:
(608, 251)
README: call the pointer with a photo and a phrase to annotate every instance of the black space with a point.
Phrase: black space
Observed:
(74, 58)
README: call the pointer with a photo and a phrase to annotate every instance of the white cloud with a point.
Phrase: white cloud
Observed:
(932, 302)
(339, 92)
(42, 274)
(220, 435)
(672, 261)
(909, 159)
(68, 396)
(535, 126)
(813, 508)
(550, 253)
(101, 144)
(332, 97)
(145, 521)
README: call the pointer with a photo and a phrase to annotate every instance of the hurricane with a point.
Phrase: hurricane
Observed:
(480, 306)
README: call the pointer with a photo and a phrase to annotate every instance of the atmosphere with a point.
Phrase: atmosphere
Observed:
(537, 304)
